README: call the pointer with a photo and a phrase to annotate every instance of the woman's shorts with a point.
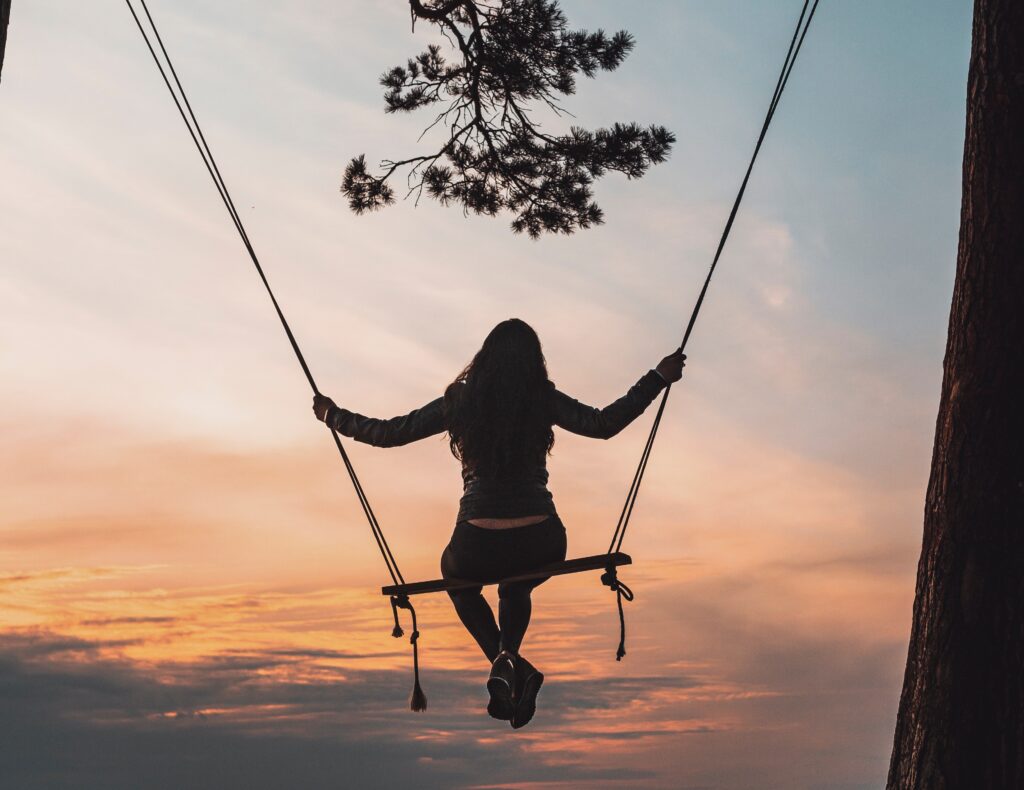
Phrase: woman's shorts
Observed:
(487, 555)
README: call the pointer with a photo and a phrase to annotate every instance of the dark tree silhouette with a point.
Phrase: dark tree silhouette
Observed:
(513, 57)
(961, 715)
(5, 18)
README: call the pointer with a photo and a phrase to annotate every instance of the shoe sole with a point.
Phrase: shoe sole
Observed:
(527, 701)
(500, 705)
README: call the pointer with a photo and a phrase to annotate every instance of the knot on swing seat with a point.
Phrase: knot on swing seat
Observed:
(610, 579)
(578, 565)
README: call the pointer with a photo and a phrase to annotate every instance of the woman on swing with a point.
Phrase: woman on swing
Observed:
(499, 414)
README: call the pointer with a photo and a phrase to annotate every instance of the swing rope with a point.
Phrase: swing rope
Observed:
(418, 700)
(610, 577)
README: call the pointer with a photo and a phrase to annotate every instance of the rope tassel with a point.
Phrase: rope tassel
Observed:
(610, 579)
(417, 700)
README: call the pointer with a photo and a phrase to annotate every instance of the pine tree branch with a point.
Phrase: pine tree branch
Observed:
(511, 53)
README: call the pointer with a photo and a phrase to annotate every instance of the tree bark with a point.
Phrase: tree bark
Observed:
(961, 717)
(5, 17)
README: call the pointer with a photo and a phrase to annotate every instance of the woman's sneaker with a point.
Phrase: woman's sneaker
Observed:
(528, 683)
(502, 686)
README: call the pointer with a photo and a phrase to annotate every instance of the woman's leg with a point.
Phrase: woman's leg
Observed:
(475, 613)
(470, 605)
(514, 610)
(541, 544)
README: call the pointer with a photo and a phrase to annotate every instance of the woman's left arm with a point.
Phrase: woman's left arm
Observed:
(411, 427)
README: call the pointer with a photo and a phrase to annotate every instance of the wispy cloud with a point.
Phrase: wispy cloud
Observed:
(287, 703)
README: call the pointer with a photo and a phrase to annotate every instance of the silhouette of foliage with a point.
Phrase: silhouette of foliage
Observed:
(513, 57)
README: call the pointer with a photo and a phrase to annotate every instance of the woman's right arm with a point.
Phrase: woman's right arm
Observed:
(604, 423)
(576, 417)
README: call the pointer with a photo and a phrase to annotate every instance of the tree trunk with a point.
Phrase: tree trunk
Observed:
(961, 715)
(5, 17)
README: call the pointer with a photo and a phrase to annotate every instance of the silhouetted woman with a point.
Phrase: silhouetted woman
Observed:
(499, 415)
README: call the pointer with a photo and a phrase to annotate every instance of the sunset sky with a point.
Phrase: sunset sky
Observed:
(189, 595)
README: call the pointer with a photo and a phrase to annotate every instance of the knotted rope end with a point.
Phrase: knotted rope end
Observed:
(397, 631)
(417, 700)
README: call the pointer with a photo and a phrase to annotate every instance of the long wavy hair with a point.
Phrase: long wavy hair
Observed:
(498, 419)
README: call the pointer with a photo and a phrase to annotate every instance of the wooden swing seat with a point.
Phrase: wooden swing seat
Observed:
(578, 565)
